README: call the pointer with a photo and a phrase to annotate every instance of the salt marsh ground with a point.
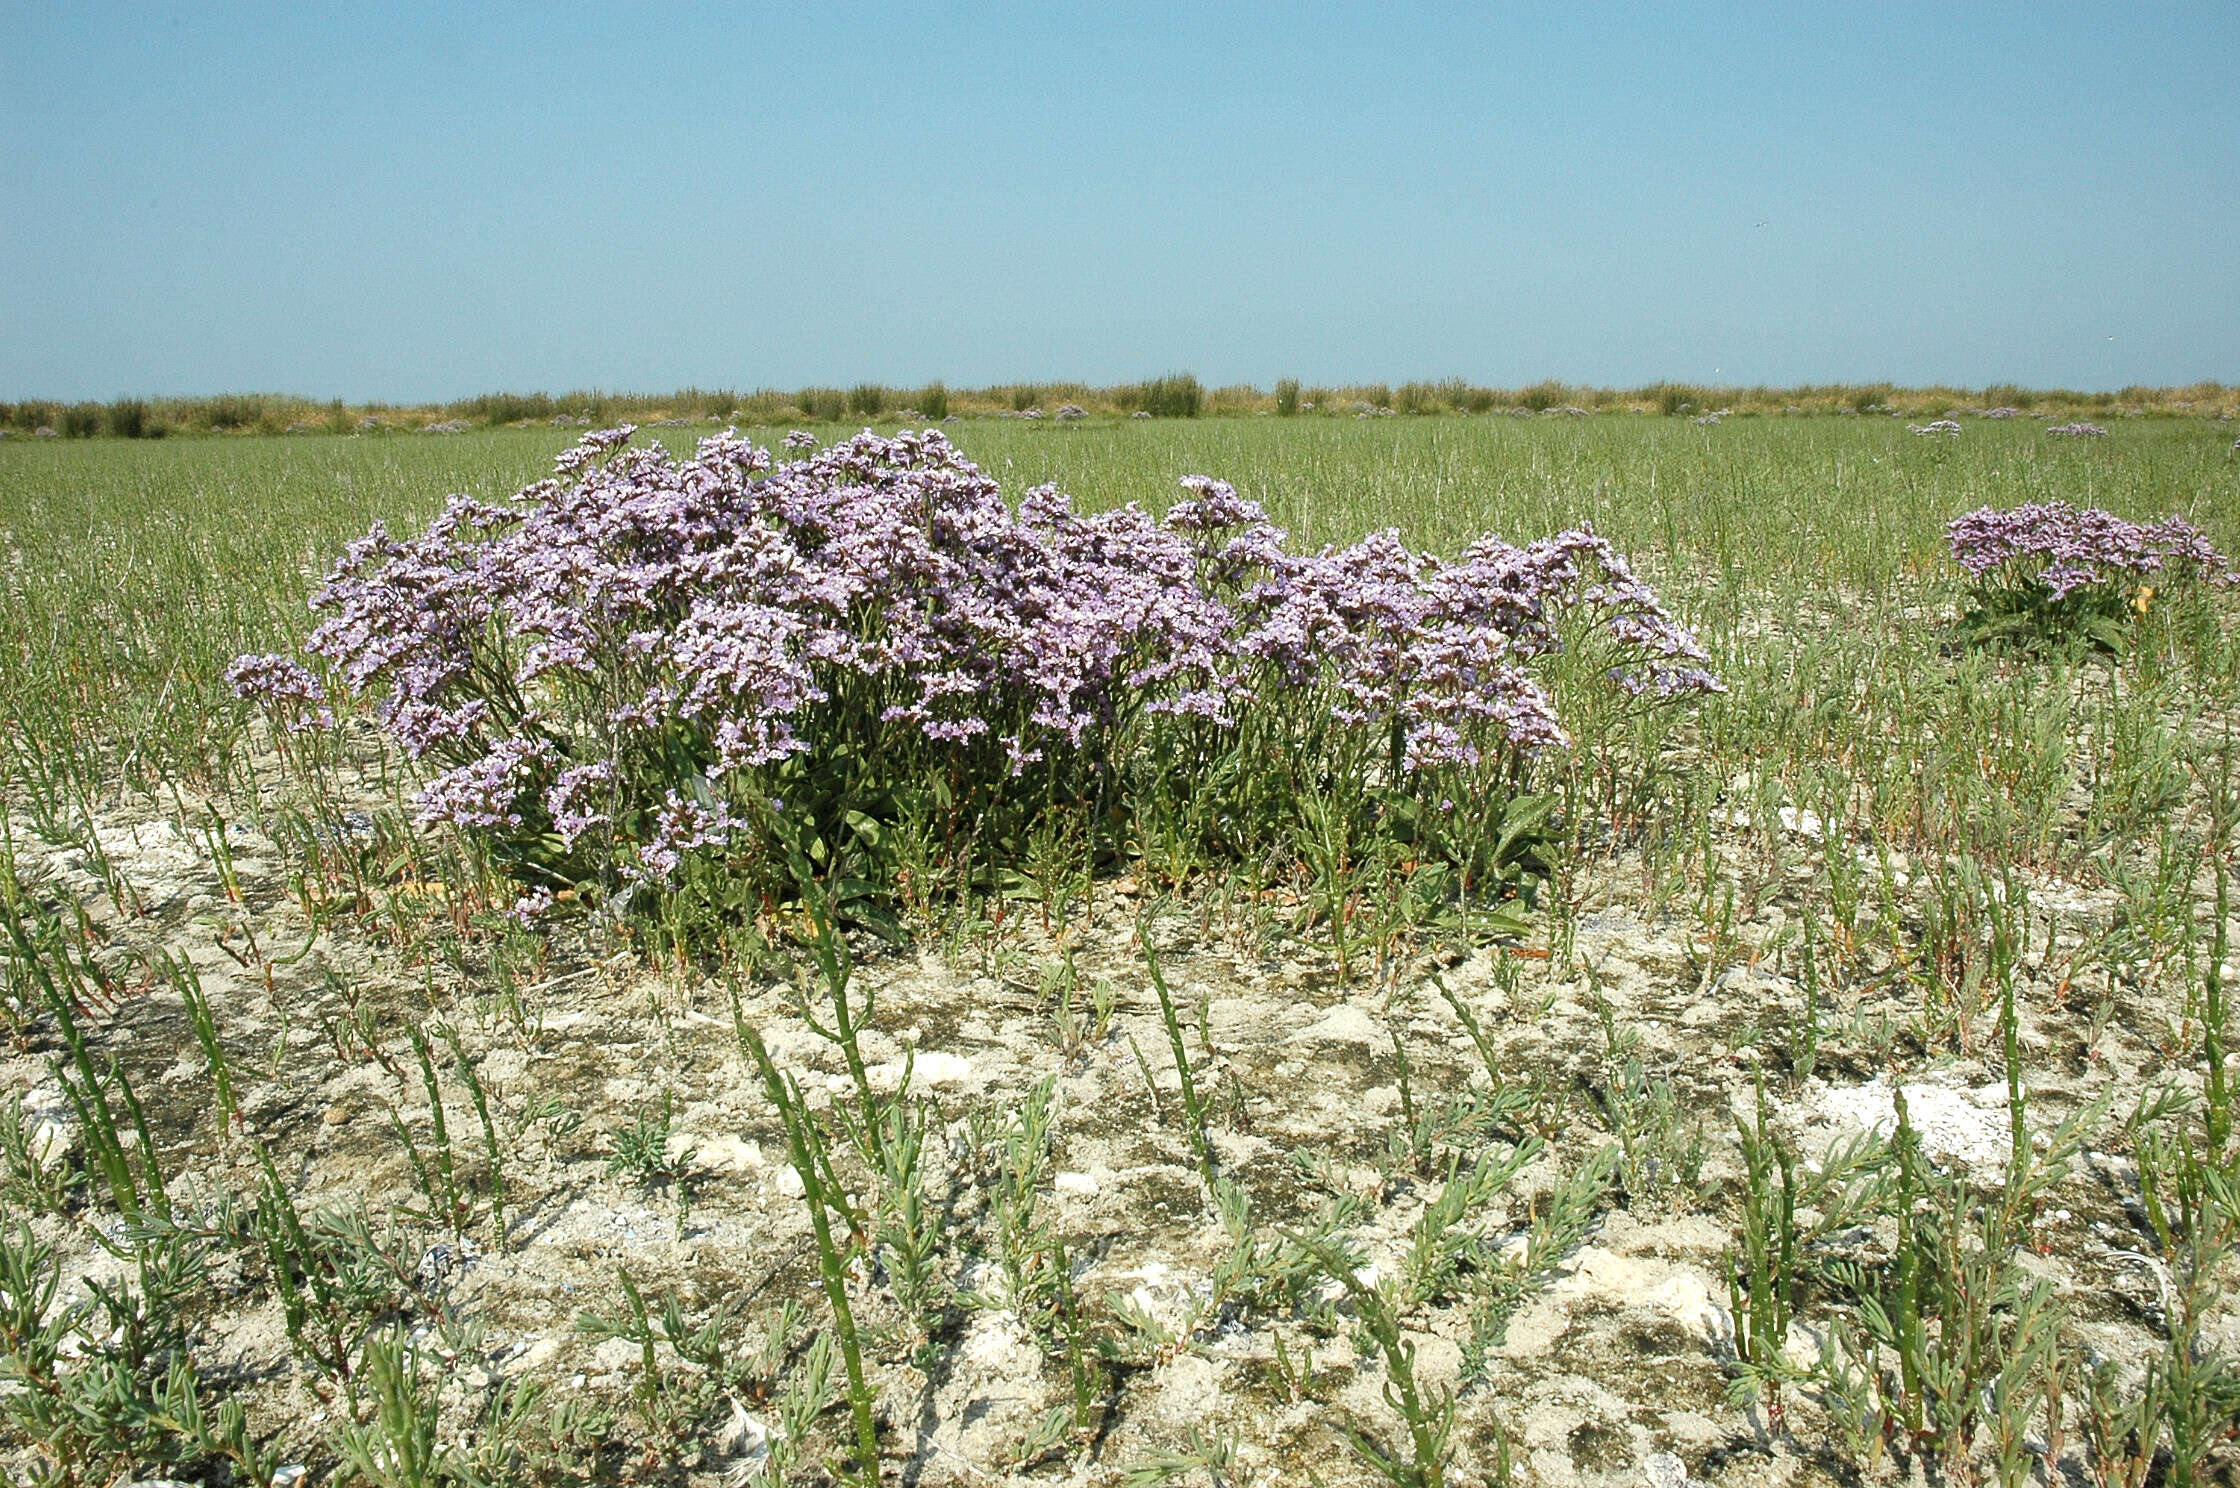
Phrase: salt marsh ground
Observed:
(317, 1164)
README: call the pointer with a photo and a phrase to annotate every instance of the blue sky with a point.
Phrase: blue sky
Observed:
(405, 202)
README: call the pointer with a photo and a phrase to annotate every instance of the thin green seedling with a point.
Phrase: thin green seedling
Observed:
(449, 1203)
(1763, 1278)
(1429, 1414)
(835, 964)
(2223, 793)
(180, 972)
(494, 1152)
(1539, 1108)
(1082, 1366)
(805, 1144)
(135, 1189)
(1296, 1374)
(1150, 1081)
(551, 1118)
(1192, 1107)
(1104, 996)
(311, 1305)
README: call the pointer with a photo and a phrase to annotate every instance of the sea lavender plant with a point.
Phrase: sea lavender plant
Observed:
(2079, 429)
(2050, 570)
(644, 668)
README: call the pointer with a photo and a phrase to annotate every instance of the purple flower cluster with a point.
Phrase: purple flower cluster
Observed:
(1935, 427)
(2079, 430)
(295, 696)
(2062, 548)
(1442, 648)
(614, 656)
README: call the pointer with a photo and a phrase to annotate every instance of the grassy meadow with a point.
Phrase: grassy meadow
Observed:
(313, 1167)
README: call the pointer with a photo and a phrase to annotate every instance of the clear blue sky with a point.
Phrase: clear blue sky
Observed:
(408, 201)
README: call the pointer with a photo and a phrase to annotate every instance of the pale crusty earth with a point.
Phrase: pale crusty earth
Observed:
(1614, 1368)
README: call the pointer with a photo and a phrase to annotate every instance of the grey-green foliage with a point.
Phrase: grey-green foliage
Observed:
(99, 1383)
(35, 1168)
(640, 1151)
(405, 1441)
(1976, 1338)
(1514, 1273)
(678, 1404)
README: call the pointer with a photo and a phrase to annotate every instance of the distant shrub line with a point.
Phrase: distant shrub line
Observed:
(1176, 395)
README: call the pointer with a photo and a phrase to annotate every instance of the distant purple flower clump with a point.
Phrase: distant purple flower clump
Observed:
(1946, 427)
(626, 664)
(2061, 548)
(2079, 430)
(2003, 411)
(296, 697)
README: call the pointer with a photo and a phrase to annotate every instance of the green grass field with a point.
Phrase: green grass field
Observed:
(1884, 855)
(137, 570)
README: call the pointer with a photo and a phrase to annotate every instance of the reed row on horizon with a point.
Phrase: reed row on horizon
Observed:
(1177, 395)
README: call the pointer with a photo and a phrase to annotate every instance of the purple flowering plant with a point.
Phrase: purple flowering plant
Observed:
(646, 676)
(2048, 572)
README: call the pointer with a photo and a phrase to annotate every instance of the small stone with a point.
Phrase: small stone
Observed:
(335, 1115)
(789, 1182)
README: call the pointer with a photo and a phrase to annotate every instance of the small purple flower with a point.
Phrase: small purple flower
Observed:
(285, 686)
(683, 826)
(531, 907)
